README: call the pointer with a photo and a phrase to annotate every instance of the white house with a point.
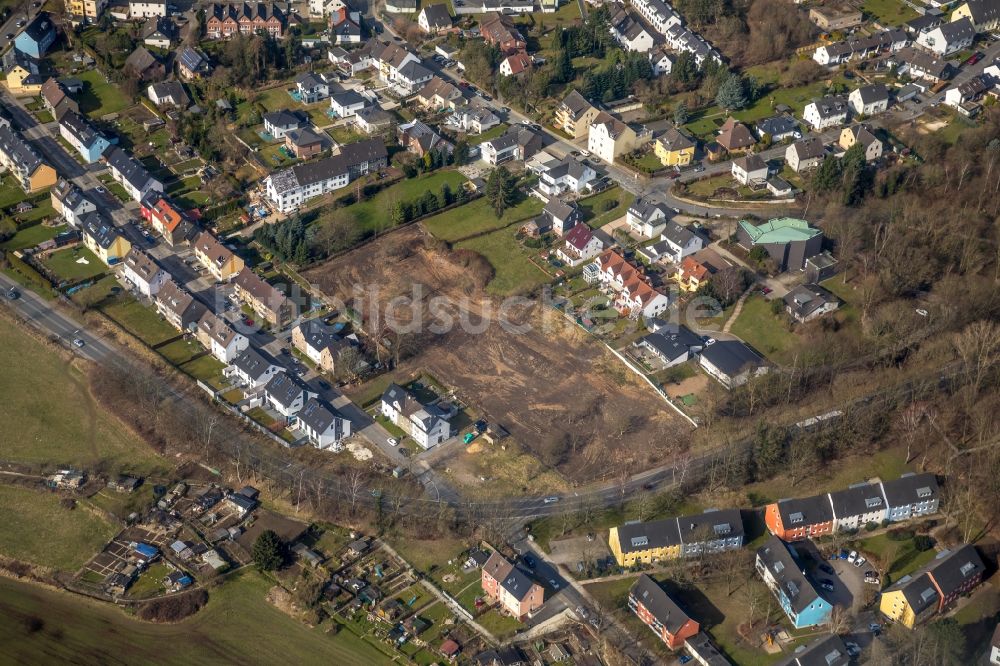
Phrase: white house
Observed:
(142, 272)
(345, 104)
(646, 218)
(168, 93)
(146, 8)
(580, 245)
(634, 297)
(290, 188)
(630, 33)
(472, 119)
(679, 242)
(221, 340)
(970, 91)
(662, 61)
(323, 424)
(749, 170)
(428, 425)
(857, 506)
(279, 123)
(658, 13)
(132, 175)
(312, 87)
(948, 38)
(434, 18)
(252, 369)
(70, 202)
(568, 175)
(287, 394)
(731, 362)
(805, 154)
(827, 112)
(911, 495)
(869, 100)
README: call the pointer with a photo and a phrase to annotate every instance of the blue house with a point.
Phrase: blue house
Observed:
(80, 134)
(37, 36)
(795, 594)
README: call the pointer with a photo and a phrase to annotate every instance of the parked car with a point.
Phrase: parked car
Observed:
(974, 58)
(826, 568)
(859, 562)
(699, 169)
(843, 555)
(827, 587)
(393, 441)
(852, 557)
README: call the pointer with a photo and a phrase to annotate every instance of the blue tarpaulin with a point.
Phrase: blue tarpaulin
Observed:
(146, 550)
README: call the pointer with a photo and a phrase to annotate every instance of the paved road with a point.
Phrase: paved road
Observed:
(10, 25)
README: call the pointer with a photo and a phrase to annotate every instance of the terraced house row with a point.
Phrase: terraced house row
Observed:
(713, 531)
(909, 496)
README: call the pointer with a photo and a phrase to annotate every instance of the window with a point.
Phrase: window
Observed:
(796, 517)
(640, 541)
(924, 492)
(873, 502)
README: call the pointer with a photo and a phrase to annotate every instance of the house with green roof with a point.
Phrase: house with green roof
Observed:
(787, 240)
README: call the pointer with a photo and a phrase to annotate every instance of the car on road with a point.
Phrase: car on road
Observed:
(595, 623)
(248, 321)
(859, 562)
(393, 441)
(20, 23)
(550, 500)
(13, 294)
(852, 557)
(99, 190)
(875, 628)
(9, 35)
(853, 649)
(699, 169)
(79, 342)
(766, 290)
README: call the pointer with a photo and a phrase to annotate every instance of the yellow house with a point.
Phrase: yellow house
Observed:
(910, 601)
(102, 238)
(24, 162)
(645, 542)
(23, 76)
(984, 15)
(216, 257)
(674, 148)
(84, 11)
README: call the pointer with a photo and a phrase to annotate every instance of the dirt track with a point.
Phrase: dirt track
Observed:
(557, 391)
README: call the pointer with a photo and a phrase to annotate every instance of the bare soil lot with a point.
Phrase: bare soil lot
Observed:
(559, 393)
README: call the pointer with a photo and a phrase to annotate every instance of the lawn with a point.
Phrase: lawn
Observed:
(904, 555)
(428, 555)
(498, 624)
(74, 626)
(208, 369)
(765, 331)
(99, 97)
(477, 216)
(37, 529)
(514, 272)
(31, 236)
(37, 385)
(594, 209)
(150, 583)
(344, 134)
(489, 134)
(889, 12)
(143, 322)
(373, 213)
(180, 351)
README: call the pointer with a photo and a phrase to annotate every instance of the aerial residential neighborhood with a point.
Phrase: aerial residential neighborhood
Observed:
(500, 332)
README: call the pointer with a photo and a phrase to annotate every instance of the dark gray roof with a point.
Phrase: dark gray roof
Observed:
(831, 106)
(307, 137)
(172, 89)
(319, 415)
(310, 80)
(647, 592)
(857, 500)
(672, 341)
(437, 16)
(285, 388)
(807, 298)
(575, 103)
(19, 151)
(644, 208)
(414, 71)
(954, 569)
(809, 148)
(193, 59)
(374, 115)
(785, 571)
(921, 23)
(102, 231)
(320, 336)
(130, 168)
(826, 651)
(732, 356)
(254, 362)
(517, 584)
(39, 27)
(559, 209)
(873, 93)
(705, 651)
(911, 488)
(918, 590)
(777, 125)
(286, 119)
(348, 98)
(649, 535)
(710, 525)
(803, 511)
(958, 30)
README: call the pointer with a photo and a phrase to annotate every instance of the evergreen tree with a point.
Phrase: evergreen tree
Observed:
(268, 551)
(461, 154)
(731, 93)
(501, 190)
(681, 115)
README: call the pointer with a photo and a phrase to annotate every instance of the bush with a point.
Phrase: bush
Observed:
(610, 204)
(900, 535)
(173, 609)
(922, 542)
(871, 527)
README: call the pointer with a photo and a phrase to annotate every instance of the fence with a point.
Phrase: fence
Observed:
(649, 381)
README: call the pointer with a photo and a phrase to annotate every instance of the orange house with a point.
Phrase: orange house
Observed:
(800, 518)
(660, 613)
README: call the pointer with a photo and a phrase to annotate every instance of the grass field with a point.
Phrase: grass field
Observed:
(67, 263)
(37, 529)
(180, 351)
(765, 331)
(237, 625)
(31, 236)
(515, 273)
(904, 554)
(889, 12)
(49, 415)
(99, 97)
(489, 134)
(143, 322)
(373, 213)
(477, 216)
(594, 213)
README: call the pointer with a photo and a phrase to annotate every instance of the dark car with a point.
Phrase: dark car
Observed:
(826, 568)
(13, 294)
(529, 560)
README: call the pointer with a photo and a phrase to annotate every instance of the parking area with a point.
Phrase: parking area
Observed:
(840, 580)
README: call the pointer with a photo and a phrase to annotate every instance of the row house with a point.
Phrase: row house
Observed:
(69, 202)
(79, 133)
(23, 161)
(290, 188)
(907, 497)
(948, 38)
(219, 338)
(683, 40)
(660, 613)
(795, 594)
(102, 237)
(635, 296)
(984, 14)
(82, 12)
(575, 114)
(323, 424)
(178, 306)
(919, 596)
(220, 261)
(427, 424)
(713, 531)
(579, 245)
(658, 14)
(167, 219)
(252, 369)
(56, 99)
(863, 48)
(508, 586)
(321, 344)
(131, 174)
(141, 271)
(142, 9)
(222, 21)
(264, 299)
(286, 394)
(630, 33)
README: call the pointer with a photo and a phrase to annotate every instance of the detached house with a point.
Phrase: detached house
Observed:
(320, 343)
(732, 363)
(419, 139)
(630, 33)
(749, 170)
(862, 134)
(827, 112)
(919, 596)
(192, 63)
(507, 585)
(265, 300)
(279, 123)
(439, 94)
(948, 38)
(312, 87)
(144, 65)
(219, 338)
(428, 424)
(795, 594)
(177, 306)
(516, 64)
(610, 138)
(220, 261)
(677, 242)
(805, 154)
(131, 174)
(434, 18)
(567, 175)
(670, 345)
(517, 143)
(660, 613)
(580, 245)
(499, 30)
(102, 238)
(575, 114)
(69, 202)
(809, 301)
(646, 217)
(142, 272)
(779, 128)
(674, 148)
(869, 100)
(252, 369)
(734, 136)
(287, 394)
(347, 103)
(325, 427)
(168, 93)
(558, 216)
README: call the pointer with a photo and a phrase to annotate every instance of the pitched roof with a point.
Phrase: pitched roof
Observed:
(750, 163)
(80, 128)
(803, 511)
(518, 62)
(857, 500)
(952, 570)
(612, 125)
(579, 236)
(140, 60)
(174, 298)
(659, 604)
(830, 106)
(809, 148)
(575, 103)
(498, 566)
(142, 264)
(674, 139)
(272, 298)
(134, 173)
(732, 357)
(735, 135)
(825, 651)
(633, 537)
(19, 151)
(712, 524)
(910, 489)
(957, 31)
(193, 59)
(216, 328)
(437, 16)
(438, 87)
(39, 27)
(285, 388)
(207, 244)
(284, 118)
(645, 209)
(870, 94)
(777, 125)
(807, 298)
(254, 362)
(786, 572)
(318, 415)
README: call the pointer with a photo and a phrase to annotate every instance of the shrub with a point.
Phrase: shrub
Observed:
(610, 204)
(922, 542)
(173, 609)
